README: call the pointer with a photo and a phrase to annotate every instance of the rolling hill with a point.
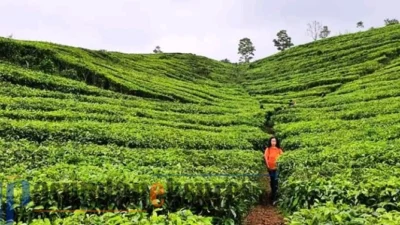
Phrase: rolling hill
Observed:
(95, 130)
(342, 138)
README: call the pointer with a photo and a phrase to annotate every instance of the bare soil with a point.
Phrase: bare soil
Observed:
(264, 213)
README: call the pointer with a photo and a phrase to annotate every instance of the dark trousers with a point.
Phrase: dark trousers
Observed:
(273, 175)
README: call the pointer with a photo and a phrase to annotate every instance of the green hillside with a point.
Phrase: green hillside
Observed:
(342, 138)
(95, 130)
(103, 118)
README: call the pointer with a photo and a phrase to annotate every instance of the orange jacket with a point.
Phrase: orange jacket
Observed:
(271, 155)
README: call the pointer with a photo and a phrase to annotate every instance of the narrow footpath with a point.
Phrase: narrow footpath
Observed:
(265, 213)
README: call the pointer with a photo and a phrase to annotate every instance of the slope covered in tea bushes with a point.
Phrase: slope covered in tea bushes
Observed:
(342, 137)
(96, 130)
(74, 120)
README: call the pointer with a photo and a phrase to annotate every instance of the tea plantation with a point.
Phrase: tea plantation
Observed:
(342, 137)
(98, 130)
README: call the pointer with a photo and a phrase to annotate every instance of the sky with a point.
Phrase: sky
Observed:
(210, 28)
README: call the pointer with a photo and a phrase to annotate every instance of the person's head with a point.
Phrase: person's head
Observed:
(273, 142)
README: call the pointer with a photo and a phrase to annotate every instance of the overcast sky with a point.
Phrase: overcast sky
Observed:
(210, 28)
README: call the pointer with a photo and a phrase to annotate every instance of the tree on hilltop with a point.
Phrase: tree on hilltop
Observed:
(246, 49)
(157, 49)
(389, 22)
(284, 41)
(324, 32)
(314, 29)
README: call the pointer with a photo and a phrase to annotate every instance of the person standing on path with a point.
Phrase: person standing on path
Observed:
(271, 155)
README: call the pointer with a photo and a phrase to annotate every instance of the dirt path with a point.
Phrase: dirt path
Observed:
(264, 213)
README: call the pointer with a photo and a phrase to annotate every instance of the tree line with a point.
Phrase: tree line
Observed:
(283, 41)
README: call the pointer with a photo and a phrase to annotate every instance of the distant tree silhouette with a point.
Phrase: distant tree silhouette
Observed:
(314, 29)
(157, 50)
(324, 32)
(389, 22)
(246, 49)
(284, 41)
